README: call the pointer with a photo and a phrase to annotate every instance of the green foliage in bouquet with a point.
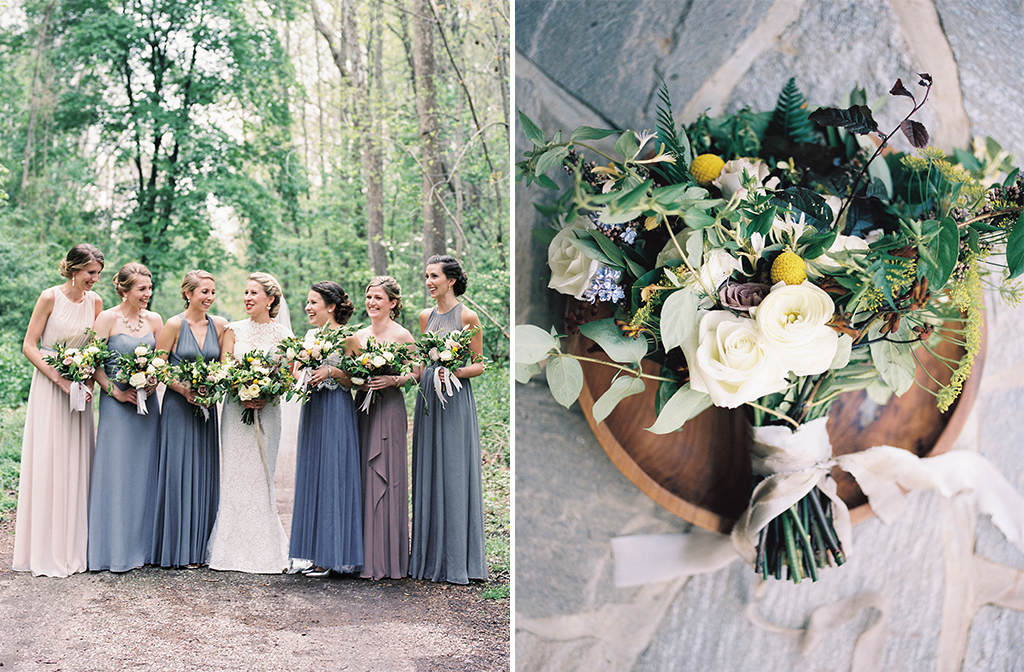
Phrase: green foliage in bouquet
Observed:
(257, 376)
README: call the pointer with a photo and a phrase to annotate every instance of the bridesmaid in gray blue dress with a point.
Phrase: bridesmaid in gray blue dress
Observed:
(447, 490)
(189, 470)
(124, 465)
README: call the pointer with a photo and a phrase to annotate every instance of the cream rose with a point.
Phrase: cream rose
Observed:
(571, 270)
(446, 356)
(434, 354)
(141, 350)
(792, 322)
(728, 360)
(358, 381)
(138, 380)
(378, 362)
(730, 180)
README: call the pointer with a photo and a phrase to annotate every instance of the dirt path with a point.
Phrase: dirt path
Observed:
(156, 619)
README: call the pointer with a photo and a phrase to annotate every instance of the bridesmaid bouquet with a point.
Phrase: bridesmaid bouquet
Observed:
(78, 365)
(143, 367)
(205, 378)
(441, 350)
(378, 358)
(257, 376)
(310, 353)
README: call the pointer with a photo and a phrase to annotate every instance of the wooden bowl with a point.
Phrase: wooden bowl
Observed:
(702, 472)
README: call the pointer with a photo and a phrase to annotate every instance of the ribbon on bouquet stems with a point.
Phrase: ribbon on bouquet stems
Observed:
(365, 406)
(77, 396)
(450, 382)
(302, 381)
(140, 402)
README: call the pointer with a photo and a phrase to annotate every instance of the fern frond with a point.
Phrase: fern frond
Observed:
(677, 144)
(790, 118)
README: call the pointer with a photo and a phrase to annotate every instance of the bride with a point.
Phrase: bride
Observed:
(247, 535)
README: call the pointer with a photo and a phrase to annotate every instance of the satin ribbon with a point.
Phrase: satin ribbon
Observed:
(140, 402)
(450, 382)
(365, 406)
(302, 382)
(77, 396)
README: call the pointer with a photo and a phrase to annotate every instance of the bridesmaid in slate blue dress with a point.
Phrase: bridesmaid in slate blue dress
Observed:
(189, 470)
(121, 504)
(447, 490)
(327, 530)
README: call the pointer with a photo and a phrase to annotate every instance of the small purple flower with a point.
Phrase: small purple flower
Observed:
(743, 296)
(625, 233)
(604, 286)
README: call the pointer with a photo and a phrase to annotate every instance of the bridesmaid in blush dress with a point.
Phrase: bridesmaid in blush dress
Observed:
(447, 487)
(124, 468)
(327, 531)
(382, 434)
(51, 531)
(188, 473)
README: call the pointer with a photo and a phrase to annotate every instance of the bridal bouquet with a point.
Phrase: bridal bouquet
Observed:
(144, 367)
(205, 378)
(443, 350)
(256, 376)
(78, 365)
(772, 261)
(310, 353)
(378, 358)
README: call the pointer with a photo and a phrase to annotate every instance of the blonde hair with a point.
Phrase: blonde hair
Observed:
(393, 291)
(79, 257)
(128, 276)
(272, 288)
(191, 281)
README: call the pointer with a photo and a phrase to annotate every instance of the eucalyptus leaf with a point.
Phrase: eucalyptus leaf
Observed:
(622, 387)
(684, 405)
(617, 345)
(565, 379)
(895, 361)
(589, 133)
(533, 344)
(844, 349)
(679, 317)
(524, 372)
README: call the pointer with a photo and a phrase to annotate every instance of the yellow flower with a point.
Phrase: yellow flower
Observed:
(789, 268)
(706, 168)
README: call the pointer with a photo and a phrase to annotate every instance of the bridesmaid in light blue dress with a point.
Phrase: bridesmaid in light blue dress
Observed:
(188, 478)
(124, 466)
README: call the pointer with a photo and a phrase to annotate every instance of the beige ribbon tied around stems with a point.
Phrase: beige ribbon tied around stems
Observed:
(77, 396)
(140, 402)
(449, 385)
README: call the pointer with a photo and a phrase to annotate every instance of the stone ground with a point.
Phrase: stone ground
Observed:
(157, 619)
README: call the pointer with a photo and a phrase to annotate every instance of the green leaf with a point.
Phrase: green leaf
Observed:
(583, 242)
(696, 218)
(684, 405)
(621, 387)
(565, 379)
(550, 159)
(679, 317)
(627, 145)
(610, 250)
(633, 197)
(1015, 248)
(531, 130)
(545, 181)
(545, 234)
(533, 344)
(617, 345)
(947, 251)
(588, 133)
(524, 372)
(895, 361)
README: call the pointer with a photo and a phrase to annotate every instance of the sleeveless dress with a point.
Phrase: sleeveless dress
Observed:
(447, 491)
(124, 474)
(188, 475)
(51, 531)
(327, 527)
(248, 535)
(385, 484)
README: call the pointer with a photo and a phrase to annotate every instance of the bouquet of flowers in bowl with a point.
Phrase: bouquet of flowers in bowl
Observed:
(144, 367)
(442, 351)
(773, 261)
(309, 353)
(78, 365)
(205, 378)
(257, 376)
(378, 358)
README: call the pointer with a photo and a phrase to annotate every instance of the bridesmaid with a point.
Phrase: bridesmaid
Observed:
(124, 468)
(447, 491)
(56, 452)
(188, 474)
(327, 526)
(382, 435)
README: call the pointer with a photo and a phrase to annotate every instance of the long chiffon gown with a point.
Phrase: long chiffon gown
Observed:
(327, 527)
(51, 531)
(447, 490)
(188, 475)
(385, 484)
(248, 535)
(124, 475)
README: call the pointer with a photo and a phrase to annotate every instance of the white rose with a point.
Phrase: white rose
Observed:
(449, 344)
(138, 380)
(358, 381)
(328, 345)
(141, 350)
(792, 320)
(717, 267)
(315, 352)
(150, 370)
(92, 350)
(571, 270)
(434, 354)
(728, 360)
(71, 352)
(290, 353)
(446, 356)
(159, 362)
(378, 362)
(388, 356)
(258, 367)
(730, 180)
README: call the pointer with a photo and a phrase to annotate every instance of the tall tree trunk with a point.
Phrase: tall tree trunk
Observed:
(35, 102)
(426, 112)
(373, 160)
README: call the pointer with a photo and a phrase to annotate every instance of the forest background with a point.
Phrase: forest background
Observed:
(312, 139)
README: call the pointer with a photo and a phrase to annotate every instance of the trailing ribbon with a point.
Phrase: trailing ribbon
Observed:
(365, 406)
(206, 413)
(140, 402)
(77, 396)
(302, 382)
(453, 384)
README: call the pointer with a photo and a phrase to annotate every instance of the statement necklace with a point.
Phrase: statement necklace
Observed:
(128, 326)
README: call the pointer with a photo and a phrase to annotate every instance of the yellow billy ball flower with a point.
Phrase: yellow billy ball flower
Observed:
(706, 168)
(789, 268)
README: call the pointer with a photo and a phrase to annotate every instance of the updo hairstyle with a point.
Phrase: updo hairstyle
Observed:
(272, 288)
(79, 257)
(451, 268)
(128, 276)
(191, 281)
(333, 294)
(393, 291)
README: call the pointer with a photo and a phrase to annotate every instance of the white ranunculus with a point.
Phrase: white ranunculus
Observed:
(718, 265)
(728, 360)
(730, 180)
(92, 350)
(378, 361)
(138, 380)
(571, 270)
(446, 356)
(792, 320)
(390, 356)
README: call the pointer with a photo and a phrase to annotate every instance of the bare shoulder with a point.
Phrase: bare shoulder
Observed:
(47, 297)
(220, 322)
(470, 317)
(403, 335)
(174, 322)
(424, 315)
(154, 319)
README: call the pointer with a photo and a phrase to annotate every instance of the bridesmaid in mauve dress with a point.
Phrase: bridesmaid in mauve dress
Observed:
(51, 531)
(327, 531)
(447, 488)
(188, 474)
(382, 434)
(124, 468)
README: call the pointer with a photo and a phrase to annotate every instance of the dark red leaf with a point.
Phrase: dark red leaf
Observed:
(926, 79)
(916, 133)
(899, 90)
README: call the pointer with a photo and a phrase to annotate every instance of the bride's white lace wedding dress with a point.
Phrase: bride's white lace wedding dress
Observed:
(247, 535)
